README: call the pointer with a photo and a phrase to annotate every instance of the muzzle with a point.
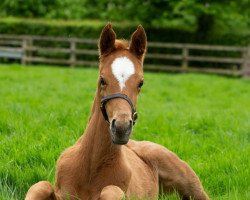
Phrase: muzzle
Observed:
(105, 99)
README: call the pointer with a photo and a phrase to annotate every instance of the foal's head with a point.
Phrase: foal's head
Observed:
(120, 80)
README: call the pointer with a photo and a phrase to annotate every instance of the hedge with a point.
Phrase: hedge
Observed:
(92, 28)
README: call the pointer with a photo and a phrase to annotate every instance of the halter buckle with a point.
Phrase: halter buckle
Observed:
(135, 117)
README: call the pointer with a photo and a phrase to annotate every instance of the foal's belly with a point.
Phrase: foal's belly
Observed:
(143, 190)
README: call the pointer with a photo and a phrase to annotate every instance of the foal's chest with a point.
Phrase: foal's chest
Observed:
(107, 176)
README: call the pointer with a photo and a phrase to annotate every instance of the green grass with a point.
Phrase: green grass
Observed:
(205, 119)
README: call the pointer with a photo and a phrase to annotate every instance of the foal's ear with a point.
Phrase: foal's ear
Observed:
(138, 43)
(107, 40)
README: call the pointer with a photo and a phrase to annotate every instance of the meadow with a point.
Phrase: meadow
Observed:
(205, 119)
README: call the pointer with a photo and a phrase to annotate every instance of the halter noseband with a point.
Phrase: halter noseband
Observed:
(105, 99)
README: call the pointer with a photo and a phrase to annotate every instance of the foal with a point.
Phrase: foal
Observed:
(104, 164)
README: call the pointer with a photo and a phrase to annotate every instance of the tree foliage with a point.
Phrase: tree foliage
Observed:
(204, 16)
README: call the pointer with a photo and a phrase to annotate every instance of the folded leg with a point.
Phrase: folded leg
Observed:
(42, 190)
(174, 174)
(111, 192)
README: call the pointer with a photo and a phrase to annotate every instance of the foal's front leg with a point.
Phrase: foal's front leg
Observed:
(42, 190)
(174, 174)
(111, 192)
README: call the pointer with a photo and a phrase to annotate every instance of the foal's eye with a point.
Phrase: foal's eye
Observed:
(140, 84)
(102, 82)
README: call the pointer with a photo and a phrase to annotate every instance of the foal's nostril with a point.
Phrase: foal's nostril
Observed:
(113, 125)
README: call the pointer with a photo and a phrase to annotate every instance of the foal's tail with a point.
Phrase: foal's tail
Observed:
(42, 190)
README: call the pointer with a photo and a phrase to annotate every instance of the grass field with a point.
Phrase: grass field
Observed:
(205, 119)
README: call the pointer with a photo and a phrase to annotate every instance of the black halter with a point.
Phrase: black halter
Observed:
(105, 99)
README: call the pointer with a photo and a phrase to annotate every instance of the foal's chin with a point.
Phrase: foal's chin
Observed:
(120, 137)
(120, 140)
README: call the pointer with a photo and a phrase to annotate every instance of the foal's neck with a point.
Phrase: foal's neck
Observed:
(96, 142)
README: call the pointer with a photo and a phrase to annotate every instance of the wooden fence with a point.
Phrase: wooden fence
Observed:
(229, 60)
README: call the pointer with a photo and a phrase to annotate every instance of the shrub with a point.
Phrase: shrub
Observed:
(92, 28)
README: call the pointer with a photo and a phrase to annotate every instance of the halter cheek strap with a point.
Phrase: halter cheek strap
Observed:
(105, 99)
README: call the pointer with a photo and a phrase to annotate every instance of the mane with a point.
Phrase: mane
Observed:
(121, 44)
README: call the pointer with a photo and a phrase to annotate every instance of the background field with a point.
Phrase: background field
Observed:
(205, 119)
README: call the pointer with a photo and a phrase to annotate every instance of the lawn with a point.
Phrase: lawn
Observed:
(205, 119)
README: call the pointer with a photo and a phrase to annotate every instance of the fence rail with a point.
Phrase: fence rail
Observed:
(230, 60)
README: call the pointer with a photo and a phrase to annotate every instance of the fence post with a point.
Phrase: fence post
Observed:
(72, 53)
(29, 43)
(184, 65)
(24, 47)
(245, 70)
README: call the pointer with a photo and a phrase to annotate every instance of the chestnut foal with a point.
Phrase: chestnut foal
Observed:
(104, 163)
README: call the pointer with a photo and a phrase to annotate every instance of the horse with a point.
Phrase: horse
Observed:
(105, 164)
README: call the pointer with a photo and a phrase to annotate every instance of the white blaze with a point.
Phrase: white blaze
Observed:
(122, 68)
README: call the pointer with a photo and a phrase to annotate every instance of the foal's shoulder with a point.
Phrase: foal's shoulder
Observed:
(69, 155)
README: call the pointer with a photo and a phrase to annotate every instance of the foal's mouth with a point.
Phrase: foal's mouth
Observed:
(120, 132)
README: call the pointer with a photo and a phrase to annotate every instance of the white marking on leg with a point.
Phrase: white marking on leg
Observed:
(122, 68)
